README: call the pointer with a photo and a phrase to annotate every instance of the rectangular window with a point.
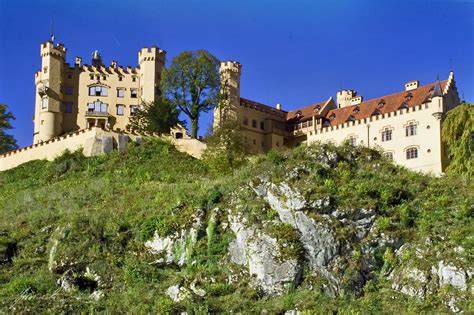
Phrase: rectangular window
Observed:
(246, 121)
(133, 109)
(262, 125)
(120, 92)
(388, 155)
(44, 103)
(133, 93)
(120, 109)
(352, 141)
(98, 91)
(134, 79)
(69, 90)
(120, 78)
(412, 153)
(386, 135)
(97, 106)
(410, 130)
(67, 107)
(254, 123)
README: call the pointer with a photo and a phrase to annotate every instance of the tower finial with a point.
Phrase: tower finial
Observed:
(52, 30)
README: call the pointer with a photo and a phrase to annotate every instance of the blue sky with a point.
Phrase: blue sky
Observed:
(293, 52)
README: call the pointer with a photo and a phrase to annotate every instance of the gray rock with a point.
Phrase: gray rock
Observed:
(122, 143)
(177, 293)
(107, 144)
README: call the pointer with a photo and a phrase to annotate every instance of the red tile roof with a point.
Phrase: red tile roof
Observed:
(305, 112)
(262, 107)
(365, 109)
(392, 103)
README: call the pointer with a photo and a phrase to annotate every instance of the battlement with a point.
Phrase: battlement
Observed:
(151, 54)
(230, 65)
(48, 48)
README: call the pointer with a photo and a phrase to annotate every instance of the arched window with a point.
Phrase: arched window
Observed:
(98, 90)
(412, 153)
(410, 129)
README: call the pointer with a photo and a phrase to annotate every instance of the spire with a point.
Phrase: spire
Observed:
(52, 30)
(437, 90)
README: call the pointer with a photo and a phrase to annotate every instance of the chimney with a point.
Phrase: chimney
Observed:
(278, 106)
(78, 61)
(412, 85)
(343, 98)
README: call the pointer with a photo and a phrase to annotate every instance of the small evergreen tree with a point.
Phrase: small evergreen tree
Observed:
(226, 149)
(7, 142)
(158, 116)
(458, 132)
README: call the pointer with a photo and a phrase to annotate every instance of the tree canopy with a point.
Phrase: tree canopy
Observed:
(158, 116)
(192, 84)
(458, 129)
(7, 142)
(226, 149)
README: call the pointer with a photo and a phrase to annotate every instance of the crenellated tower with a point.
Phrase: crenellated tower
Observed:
(152, 62)
(230, 72)
(48, 115)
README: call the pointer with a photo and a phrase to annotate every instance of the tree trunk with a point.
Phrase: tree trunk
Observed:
(194, 128)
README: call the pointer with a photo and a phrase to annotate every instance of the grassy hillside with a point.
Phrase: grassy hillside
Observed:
(94, 215)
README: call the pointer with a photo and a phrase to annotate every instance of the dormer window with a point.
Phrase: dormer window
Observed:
(356, 110)
(350, 118)
(332, 116)
(381, 103)
(376, 112)
(298, 114)
(404, 105)
(408, 97)
(317, 108)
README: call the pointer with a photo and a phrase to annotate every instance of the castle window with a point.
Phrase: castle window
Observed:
(355, 110)
(410, 130)
(67, 107)
(386, 135)
(381, 103)
(97, 106)
(134, 79)
(120, 109)
(254, 142)
(98, 91)
(44, 102)
(104, 77)
(92, 77)
(245, 121)
(352, 140)
(97, 77)
(408, 97)
(68, 90)
(262, 125)
(45, 70)
(133, 109)
(332, 116)
(412, 153)
(388, 155)
(120, 78)
(254, 123)
(120, 92)
(133, 93)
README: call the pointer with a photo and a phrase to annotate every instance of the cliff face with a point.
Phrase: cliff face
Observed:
(320, 229)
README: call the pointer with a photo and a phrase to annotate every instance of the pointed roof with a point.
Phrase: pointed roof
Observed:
(437, 90)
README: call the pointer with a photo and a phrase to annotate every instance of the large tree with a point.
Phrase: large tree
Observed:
(157, 116)
(458, 129)
(192, 84)
(7, 142)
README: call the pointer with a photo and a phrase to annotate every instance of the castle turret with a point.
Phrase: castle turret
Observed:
(151, 61)
(344, 97)
(230, 72)
(48, 115)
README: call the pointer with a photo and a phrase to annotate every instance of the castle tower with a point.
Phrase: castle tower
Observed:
(344, 97)
(48, 115)
(230, 90)
(152, 62)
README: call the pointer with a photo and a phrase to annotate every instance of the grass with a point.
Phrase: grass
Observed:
(101, 210)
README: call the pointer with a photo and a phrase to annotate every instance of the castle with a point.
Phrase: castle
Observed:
(89, 106)
(406, 125)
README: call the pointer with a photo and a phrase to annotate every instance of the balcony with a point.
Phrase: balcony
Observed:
(94, 113)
